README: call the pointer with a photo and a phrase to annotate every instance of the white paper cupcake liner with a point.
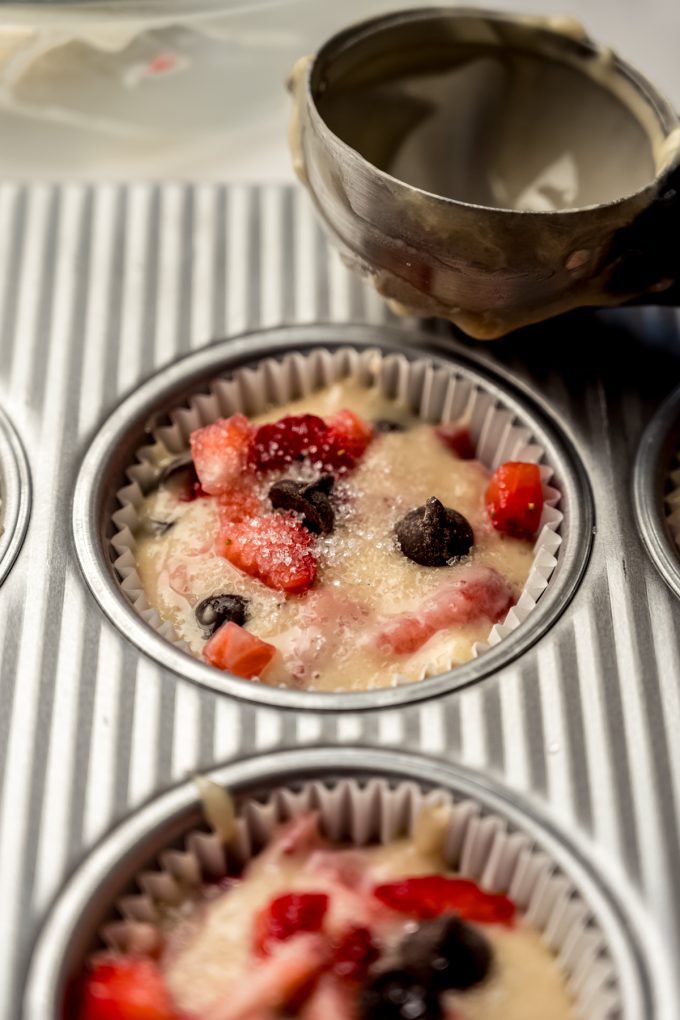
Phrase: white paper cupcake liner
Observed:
(436, 394)
(672, 499)
(478, 844)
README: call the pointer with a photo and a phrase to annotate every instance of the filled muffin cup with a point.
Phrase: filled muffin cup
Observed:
(120, 900)
(672, 499)
(435, 394)
(656, 490)
(15, 495)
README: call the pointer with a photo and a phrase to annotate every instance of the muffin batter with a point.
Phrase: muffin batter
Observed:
(337, 634)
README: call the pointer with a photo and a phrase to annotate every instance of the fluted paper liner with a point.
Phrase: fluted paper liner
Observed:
(672, 499)
(436, 394)
(479, 845)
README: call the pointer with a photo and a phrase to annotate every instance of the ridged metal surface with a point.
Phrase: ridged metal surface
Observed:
(98, 287)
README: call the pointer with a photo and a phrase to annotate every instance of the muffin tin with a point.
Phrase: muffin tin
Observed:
(104, 286)
(110, 475)
(363, 797)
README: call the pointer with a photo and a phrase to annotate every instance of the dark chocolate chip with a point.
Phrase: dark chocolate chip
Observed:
(387, 425)
(398, 994)
(180, 472)
(447, 953)
(180, 463)
(433, 535)
(212, 612)
(312, 501)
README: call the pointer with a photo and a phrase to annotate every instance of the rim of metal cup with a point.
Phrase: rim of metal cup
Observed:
(88, 897)
(112, 450)
(658, 444)
(15, 495)
(663, 109)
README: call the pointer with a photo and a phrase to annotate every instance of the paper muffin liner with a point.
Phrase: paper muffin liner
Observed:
(436, 394)
(672, 499)
(479, 844)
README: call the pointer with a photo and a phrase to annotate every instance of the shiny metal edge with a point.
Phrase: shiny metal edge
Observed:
(90, 893)
(121, 434)
(657, 446)
(15, 495)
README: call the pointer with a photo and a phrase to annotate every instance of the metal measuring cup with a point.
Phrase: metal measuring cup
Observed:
(488, 168)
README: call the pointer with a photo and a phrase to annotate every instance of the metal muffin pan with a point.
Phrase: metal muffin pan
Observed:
(88, 900)
(15, 495)
(101, 287)
(113, 450)
(658, 447)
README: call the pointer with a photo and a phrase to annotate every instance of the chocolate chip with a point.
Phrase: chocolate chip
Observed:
(398, 994)
(387, 425)
(448, 953)
(312, 501)
(212, 612)
(181, 473)
(433, 535)
(182, 462)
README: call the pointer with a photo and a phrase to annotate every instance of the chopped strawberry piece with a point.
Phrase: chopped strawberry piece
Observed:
(347, 439)
(480, 594)
(272, 983)
(514, 499)
(238, 651)
(291, 438)
(431, 895)
(220, 452)
(239, 503)
(129, 988)
(404, 634)
(331, 999)
(458, 440)
(286, 916)
(335, 444)
(354, 953)
(275, 548)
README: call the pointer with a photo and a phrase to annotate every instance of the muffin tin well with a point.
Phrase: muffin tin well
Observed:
(15, 495)
(106, 471)
(653, 482)
(491, 839)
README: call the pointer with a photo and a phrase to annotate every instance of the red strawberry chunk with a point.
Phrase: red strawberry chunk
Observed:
(347, 439)
(220, 452)
(458, 440)
(239, 503)
(129, 988)
(237, 650)
(288, 915)
(354, 953)
(514, 499)
(334, 444)
(291, 438)
(481, 594)
(275, 548)
(431, 895)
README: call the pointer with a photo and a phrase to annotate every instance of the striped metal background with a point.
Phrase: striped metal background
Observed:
(99, 287)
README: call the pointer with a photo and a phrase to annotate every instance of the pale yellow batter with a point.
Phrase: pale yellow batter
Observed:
(209, 950)
(327, 636)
